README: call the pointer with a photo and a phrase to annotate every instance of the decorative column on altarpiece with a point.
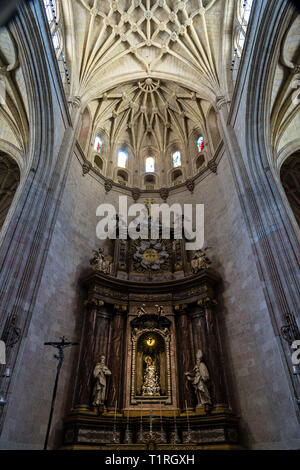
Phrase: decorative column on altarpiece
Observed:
(214, 352)
(184, 356)
(197, 316)
(95, 315)
(116, 357)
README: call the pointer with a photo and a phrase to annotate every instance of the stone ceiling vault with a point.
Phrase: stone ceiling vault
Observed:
(109, 42)
(149, 113)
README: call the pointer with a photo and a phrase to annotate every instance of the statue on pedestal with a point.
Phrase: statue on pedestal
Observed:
(200, 378)
(151, 382)
(100, 373)
(160, 310)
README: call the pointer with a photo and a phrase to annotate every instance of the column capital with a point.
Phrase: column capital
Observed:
(94, 303)
(180, 309)
(221, 101)
(207, 302)
(121, 308)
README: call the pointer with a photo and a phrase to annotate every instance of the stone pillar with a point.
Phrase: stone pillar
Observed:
(102, 333)
(87, 355)
(214, 358)
(197, 316)
(116, 358)
(184, 357)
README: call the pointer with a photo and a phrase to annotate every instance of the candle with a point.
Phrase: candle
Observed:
(150, 422)
(116, 410)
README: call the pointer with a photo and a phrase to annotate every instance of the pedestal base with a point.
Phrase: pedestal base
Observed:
(217, 429)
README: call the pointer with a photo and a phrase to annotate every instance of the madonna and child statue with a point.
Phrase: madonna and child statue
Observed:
(151, 385)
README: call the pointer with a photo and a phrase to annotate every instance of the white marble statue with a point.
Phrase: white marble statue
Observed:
(151, 383)
(200, 378)
(100, 373)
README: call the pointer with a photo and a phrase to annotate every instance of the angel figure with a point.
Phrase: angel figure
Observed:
(142, 311)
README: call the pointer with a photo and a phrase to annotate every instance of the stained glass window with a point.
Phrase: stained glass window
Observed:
(122, 159)
(98, 144)
(176, 159)
(200, 144)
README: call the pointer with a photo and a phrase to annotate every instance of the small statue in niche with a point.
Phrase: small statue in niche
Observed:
(200, 261)
(141, 310)
(160, 310)
(200, 379)
(151, 383)
(101, 371)
(100, 262)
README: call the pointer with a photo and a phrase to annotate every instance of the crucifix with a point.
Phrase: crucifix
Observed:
(60, 357)
(148, 203)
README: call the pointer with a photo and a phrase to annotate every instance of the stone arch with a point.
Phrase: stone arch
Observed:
(98, 163)
(177, 176)
(290, 180)
(9, 181)
(150, 181)
(122, 177)
(200, 161)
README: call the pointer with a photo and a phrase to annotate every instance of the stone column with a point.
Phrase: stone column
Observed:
(116, 358)
(184, 357)
(197, 316)
(214, 358)
(87, 355)
(102, 333)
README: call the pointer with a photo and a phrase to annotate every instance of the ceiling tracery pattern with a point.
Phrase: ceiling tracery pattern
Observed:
(162, 38)
(149, 113)
(148, 71)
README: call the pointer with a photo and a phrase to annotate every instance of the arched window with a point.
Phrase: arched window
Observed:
(98, 144)
(200, 144)
(177, 177)
(98, 162)
(122, 177)
(57, 37)
(122, 159)
(150, 182)
(200, 161)
(243, 16)
(245, 10)
(50, 11)
(176, 159)
(150, 165)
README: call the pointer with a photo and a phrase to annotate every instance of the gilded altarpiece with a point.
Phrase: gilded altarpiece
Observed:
(150, 353)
